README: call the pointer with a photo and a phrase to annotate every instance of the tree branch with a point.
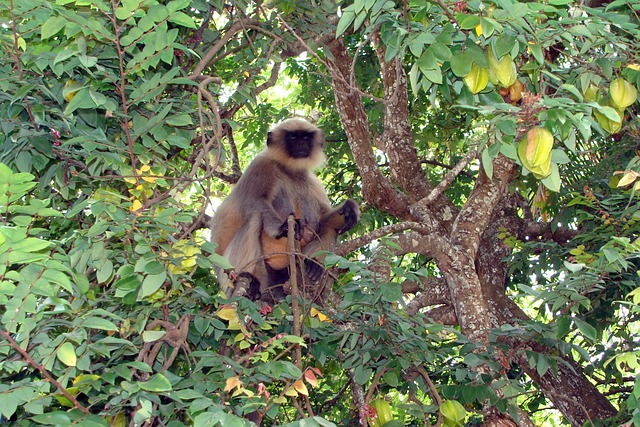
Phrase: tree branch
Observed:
(44, 372)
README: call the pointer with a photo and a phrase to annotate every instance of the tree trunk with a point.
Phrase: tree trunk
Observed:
(463, 243)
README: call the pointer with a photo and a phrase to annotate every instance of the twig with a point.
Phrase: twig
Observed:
(44, 372)
(374, 383)
(432, 391)
(356, 243)
(448, 179)
(295, 292)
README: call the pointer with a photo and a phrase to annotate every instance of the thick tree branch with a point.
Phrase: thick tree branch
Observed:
(376, 188)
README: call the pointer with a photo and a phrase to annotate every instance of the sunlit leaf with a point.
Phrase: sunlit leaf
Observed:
(67, 354)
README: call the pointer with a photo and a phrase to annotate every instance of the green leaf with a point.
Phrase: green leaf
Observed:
(573, 90)
(362, 375)
(220, 418)
(57, 418)
(469, 22)
(543, 364)
(151, 284)
(391, 378)
(182, 19)
(434, 75)
(586, 329)
(105, 272)
(605, 66)
(157, 383)
(8, 404)
(440, 51)
(154, 267)
(52, 26)
(564, 326)
(348, 16)
(66, 354)
(82, 99)
(151, 336)
(504, 44)
(536, 51)
(220, 261)
(99, 323)
(392, 292)
(174, 5)
(461, 64)
(487, 163)
(180, 120)
(553, 182)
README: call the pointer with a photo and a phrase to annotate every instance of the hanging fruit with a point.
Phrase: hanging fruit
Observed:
(477, 79)
(502, 72)
(534, 152)
(591, 93)
(381, 413)
(515, 91)
(610, 126)
(622, 93)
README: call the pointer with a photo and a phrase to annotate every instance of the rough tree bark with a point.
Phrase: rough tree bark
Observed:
(463, 243)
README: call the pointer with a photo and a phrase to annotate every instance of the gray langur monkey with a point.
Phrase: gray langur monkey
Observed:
(250, 226)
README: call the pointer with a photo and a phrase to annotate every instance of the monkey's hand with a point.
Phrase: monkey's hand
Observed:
(314, 270)
(351, 214)
(283, 231)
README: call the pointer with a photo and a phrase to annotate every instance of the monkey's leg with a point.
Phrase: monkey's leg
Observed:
(245, 254)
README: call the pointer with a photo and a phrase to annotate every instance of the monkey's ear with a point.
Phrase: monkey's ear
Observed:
(269, 138)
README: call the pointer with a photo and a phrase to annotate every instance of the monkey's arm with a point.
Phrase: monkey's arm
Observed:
(335, 222)
(340, 219)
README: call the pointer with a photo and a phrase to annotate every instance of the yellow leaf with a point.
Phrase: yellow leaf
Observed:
(117, 421)
(248, 392)
(628, 178)
(280, 400)
(301, 388)
(85, 378)
(227, 312)
(70, 89)
(634, 67)
(233, 382)
(67, 354)
(479, 30)
(321, 316)
(22, 45)
(291, 392)
(136, 206)
(144, 168)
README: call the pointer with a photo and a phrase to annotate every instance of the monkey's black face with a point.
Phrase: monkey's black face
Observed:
(299, 143)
